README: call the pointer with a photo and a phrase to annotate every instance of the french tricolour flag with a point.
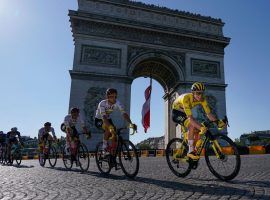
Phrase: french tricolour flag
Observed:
(146, 108)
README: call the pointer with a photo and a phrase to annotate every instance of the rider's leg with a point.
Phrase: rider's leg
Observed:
(106, 137)
(40, 145)
(191, 133)
(68, 143)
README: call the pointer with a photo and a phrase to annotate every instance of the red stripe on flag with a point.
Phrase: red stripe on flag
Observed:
(146, 109)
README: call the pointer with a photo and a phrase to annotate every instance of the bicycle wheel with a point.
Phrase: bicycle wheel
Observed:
(83, 157)
(102, 160)
(128, 158)
(67, 157)
(176, 156)
(1, 154)
(18, 157)
(222, 157)
(41, 159)
(52, 157)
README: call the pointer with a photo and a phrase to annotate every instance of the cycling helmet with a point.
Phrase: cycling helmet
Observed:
(197, 87)
(111, 91)
(74, 110)
(14, 129)
(47, 124)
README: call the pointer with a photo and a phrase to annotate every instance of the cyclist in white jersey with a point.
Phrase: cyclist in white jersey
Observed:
(72, 123)
(44, 134)
(103, 119)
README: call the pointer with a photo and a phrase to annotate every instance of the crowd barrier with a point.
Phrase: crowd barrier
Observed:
(243, 150)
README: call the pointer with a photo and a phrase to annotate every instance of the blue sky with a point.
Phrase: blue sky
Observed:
(36, 52)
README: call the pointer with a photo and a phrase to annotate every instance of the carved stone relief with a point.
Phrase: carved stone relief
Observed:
(144, 36)
(93, 97)
(205, 68)
(100, 56)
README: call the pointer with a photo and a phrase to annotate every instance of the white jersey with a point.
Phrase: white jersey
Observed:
(42, 132)
(70, 122)
(104, 108)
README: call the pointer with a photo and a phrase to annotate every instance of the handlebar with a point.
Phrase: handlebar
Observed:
(133, 132)
(207, 123)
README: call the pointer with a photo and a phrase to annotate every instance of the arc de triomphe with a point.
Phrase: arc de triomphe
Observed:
(117, 41)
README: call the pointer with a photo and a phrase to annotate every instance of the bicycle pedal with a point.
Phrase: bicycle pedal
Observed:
(194, 164)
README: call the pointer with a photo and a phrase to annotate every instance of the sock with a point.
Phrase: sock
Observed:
(105, 144)
(190, 145)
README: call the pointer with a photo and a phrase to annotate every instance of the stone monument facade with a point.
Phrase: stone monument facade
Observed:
(117, 41)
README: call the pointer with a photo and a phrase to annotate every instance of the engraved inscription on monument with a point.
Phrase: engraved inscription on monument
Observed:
(205, 68)
(106, 57)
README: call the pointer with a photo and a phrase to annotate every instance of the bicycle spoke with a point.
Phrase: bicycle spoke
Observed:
(102, 160)
(128, 158)
(83, 157)
(67, 158)
(226, 164)
(52, 157)
(176, 153)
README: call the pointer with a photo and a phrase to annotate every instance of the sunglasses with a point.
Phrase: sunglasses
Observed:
(198, 93)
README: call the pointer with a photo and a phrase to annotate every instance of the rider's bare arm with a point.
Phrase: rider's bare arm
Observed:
(127, 118)
(194, 122)
(211, 117)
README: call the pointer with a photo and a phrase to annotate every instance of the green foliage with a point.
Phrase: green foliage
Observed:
(144, 146)
(238, 142)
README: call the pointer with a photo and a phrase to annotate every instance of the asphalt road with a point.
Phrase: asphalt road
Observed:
(154, 181)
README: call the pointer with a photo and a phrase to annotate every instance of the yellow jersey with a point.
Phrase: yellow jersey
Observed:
(186, 102)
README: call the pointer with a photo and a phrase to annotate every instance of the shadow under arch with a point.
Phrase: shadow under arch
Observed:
(161, 67)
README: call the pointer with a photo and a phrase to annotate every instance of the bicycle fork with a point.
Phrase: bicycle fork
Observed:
(217, 148)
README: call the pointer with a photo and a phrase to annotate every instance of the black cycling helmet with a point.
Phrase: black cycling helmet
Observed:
(111, 91)
(197, 87)
(47, 124)
(74, 110)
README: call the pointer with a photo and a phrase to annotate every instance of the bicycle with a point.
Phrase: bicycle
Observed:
(15, 154)
(81, 157)
(126, 152)
(48, 152)
(219, 150)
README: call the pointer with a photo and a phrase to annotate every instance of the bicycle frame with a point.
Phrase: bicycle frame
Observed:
(116, 151)
(205, 138)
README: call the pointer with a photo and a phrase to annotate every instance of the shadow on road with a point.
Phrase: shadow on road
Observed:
(23, 166)
(207, 186)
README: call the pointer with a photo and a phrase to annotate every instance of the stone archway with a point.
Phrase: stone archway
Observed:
(117, 41)
(165, 70)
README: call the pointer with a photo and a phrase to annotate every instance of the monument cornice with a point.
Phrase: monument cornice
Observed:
(99, 76)
(218, 86)
(159, 9)
(136, 34)
(146, 26)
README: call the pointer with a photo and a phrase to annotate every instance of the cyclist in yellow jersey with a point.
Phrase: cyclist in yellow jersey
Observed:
(182, 115)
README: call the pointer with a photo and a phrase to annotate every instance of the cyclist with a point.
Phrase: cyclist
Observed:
(44, 135)
(70, 126)
(182, 114)
(11, 139)
(103, 120)
(2, 138)
(2, 144)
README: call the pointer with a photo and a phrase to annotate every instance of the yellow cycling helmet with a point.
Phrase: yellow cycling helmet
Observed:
(198, 87)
